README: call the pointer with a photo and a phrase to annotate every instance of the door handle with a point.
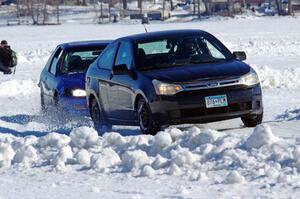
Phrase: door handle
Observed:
(111, 76)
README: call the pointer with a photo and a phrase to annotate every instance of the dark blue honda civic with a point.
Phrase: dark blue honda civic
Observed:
(62, 81)
(172, 77)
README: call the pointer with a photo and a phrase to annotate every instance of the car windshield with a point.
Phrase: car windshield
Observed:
(174, 52)
(78, 60)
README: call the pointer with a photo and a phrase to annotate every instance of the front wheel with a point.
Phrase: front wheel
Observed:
(145, 118)
(252, 120)
(100, 123)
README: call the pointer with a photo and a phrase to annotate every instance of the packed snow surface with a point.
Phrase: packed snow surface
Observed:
(44, 157)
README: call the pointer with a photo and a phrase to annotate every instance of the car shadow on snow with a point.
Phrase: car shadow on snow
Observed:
(29, 123)
(47, 124)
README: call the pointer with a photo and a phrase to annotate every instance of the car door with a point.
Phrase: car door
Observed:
(51, 83)
(105, 63)
(121, 90)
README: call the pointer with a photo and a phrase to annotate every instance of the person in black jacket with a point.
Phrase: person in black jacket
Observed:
(5, 54)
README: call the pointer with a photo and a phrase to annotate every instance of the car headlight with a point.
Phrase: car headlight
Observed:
(75, 93)
(250, 78)
(162, 88)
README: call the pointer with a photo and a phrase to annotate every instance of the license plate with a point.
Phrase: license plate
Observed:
(216, 101)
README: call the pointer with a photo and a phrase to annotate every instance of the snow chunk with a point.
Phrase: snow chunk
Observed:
(175, 133)
(160, 162)
(206, 137)
(114, 139)
(174, 170)
(135, 159)
(162, 140)
(262, 135)
(197, 175)
(234, 177)
(63, 155)
(147, 171)
(54, 140)
(272, 173)
(83, 157)
(6, 154)
(26, 155)
(84, 137)
(296, 153)
(184, 157)
(107, 158)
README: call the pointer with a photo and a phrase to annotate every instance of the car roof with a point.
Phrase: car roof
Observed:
(163, 34)
(79, 44)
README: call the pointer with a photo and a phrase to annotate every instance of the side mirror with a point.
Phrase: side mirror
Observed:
(240, 55)
(121, 70)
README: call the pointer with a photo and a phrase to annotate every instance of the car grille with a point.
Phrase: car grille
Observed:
(211, 84)
(202, 111)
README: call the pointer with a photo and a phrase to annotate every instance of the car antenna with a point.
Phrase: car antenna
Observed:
(145, 28)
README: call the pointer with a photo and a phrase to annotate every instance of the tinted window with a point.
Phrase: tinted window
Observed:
(107, 57)
(124, 55)
(55, 61)
(78, 60)
(180, 51)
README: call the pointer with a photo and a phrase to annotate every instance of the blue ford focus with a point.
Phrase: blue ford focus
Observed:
(62, 81)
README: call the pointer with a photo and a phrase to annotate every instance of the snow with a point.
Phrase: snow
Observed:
(234, 177)
(261, 136)
(42, 158)
(84, 137)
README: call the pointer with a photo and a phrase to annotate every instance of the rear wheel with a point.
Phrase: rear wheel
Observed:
(100, 123)
(145, 118)
(252, 120)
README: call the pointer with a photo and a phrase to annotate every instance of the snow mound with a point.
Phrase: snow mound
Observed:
(274, 78)
(197, 154)
(33, 56)
(290, 114)
(261, 136)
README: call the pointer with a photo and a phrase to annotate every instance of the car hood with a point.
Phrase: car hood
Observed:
(218, 70)
(76, 80)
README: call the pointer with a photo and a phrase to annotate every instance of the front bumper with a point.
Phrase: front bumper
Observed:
(190, 107)
(74, 106)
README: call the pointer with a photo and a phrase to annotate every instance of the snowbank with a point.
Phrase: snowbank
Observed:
(275, 78)
(198, 154)
(290, 114)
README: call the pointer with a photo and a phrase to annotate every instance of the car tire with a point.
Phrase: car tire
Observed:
(100, 122)
(145, 118)
(252, 120)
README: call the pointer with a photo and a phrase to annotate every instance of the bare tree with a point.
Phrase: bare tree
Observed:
(124, 4)
(278, 5)
(198, 8)
(290, 8)
(207, 6)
